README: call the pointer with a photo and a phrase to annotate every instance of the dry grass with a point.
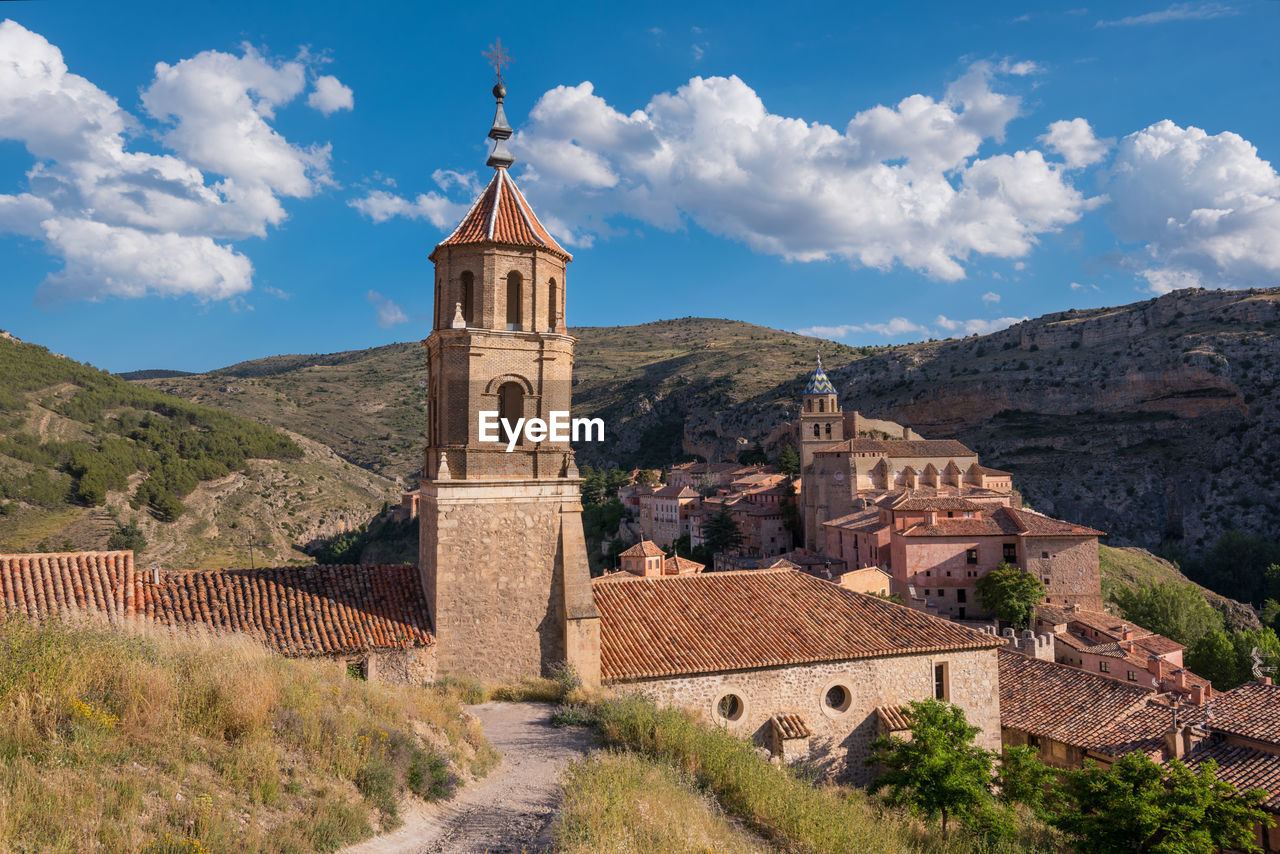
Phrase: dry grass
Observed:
(791, 812)
(116, 742)
(616, 802)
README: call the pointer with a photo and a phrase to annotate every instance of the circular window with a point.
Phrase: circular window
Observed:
(837, 698)
(729, 707)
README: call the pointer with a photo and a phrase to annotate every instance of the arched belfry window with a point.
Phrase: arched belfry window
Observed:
(817, 431)
(553, 313)
(822, 406)
(514, 281)
(510, 406)
(469, 297)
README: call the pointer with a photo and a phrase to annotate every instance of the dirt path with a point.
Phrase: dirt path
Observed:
(511, 810)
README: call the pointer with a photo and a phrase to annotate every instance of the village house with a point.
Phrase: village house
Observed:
(665, 513)
(1072, 716)
(753, 650)
(371, 619)
(938, 547)
(1115, 648)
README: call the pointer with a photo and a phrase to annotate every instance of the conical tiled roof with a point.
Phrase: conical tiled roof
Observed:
(818, 383)
(501, 215)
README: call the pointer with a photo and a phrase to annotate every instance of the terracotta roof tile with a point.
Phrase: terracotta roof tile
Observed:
(714, 622)
(1071, 706)
(790, 726)
(644, 548)
(1251, 711)
(1244, 767)
(902, 447)
(894, 718)
(502, 215)
(296, 610)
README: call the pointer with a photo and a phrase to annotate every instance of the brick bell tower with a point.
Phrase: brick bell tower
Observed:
(502, 552)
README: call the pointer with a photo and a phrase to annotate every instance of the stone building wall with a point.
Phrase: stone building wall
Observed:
(492, 562)
(841, 740)
(399, 666)
(1072, 569)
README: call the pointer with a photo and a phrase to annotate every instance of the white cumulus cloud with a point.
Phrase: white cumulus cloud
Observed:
(1075, 142)
(991, 298)
(434, 207)
(1204, 207)
(898, 185)
(389, 313)
(129, 223)
(328, 95)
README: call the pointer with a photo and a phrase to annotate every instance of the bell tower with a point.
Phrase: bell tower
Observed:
(821, 421)
(502, 552)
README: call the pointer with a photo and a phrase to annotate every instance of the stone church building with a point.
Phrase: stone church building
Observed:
(502, 588)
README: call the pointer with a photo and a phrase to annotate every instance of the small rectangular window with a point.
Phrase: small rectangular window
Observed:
(941, 688)
(1133, 677)
(1046, 581)
(1033, 741)
(1104, 666)
(971, 556)
(961, 596)
(1044, 555)
(1010, 552)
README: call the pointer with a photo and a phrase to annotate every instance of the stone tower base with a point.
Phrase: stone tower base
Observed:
(504, 567)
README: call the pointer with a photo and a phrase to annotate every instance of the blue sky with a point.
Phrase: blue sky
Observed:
(205, 183)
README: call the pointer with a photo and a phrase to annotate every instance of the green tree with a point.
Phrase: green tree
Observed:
(940, 772)
(1011, 594)
(754, 457)
(1213, 656)
(720, 532)
(1139, 806)
(1176, 611)
(1226, 658)
(127, 537)
(1021, 778)
(789, 461)
(649, 477)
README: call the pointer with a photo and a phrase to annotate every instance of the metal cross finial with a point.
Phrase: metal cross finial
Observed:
(498, 57)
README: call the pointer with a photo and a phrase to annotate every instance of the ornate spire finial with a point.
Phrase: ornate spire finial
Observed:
(498, 57)
(501, 131)
(819, 360)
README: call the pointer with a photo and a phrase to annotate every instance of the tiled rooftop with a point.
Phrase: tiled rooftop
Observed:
(714, 622)
(296, 610)
(1243, 767)
(1251, 711)
(790, 726)
(644, 548)
(902, 447)
(1002, 521)
(501, 215)
(1071, 706)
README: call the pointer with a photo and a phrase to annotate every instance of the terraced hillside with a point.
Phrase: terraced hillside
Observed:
(83, 453)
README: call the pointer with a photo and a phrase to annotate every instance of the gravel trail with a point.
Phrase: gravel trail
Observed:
(510, 810)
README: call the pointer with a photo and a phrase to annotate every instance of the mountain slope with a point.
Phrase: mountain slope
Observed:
(82, 451)
(1147, 420)
(369, 405)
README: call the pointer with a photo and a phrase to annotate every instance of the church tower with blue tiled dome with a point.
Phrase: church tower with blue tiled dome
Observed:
(821, 421)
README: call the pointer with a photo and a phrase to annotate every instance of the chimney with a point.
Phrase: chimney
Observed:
(1180, 678)
(1126, 633)
(1197, 694)
(1075, 607)
(1155, 666)
(1173, 743)
(1191, 738)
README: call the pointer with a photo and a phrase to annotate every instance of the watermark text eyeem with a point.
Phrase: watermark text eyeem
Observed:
(559, 428)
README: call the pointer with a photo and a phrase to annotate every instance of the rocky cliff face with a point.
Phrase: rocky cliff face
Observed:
(1153, 421)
